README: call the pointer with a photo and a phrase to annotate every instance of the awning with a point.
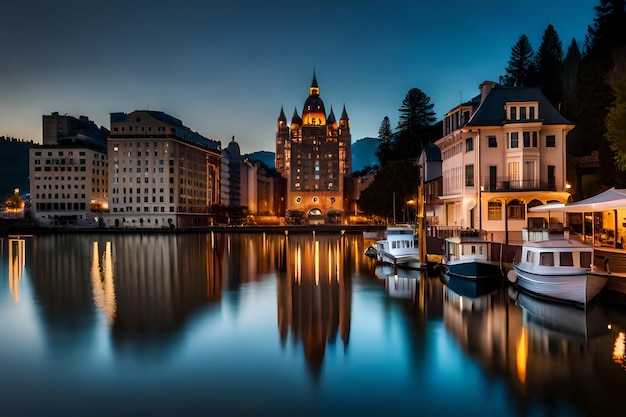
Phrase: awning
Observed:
(609, 200)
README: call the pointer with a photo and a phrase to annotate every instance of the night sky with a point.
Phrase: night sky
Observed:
(226, 67)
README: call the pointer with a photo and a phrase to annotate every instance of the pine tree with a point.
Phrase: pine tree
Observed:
(520, 69)
(385, 147)
(616, 117)
(416, 117)
(548, 64)
(569, 79)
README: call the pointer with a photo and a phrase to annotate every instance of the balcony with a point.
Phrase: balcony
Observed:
(491, 184)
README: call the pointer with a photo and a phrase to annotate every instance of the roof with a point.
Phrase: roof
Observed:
(344, 113)
(565, 244)
(492, 111)
(613, 198)
(281, 116)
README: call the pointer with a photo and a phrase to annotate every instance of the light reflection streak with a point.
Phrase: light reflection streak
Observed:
(102, 286)
(522, 355)
(17, 261)
(619, 350)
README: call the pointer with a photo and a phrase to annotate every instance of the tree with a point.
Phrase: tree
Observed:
(569, 79)
(399, 177)
(416, 118)
(520, 69)
(548, 65)
(14, 203)
(616, 117)
(604, 38)
(383, 153)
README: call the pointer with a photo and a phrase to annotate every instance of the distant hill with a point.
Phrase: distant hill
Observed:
(13, 166)
(364, 153)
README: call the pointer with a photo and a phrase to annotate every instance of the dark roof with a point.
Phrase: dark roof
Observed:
(295, 118)
(282, 117)
(315, 104)
(492, 112)
(314, 83)
(432, 152)
(344, 113)
(331, 117)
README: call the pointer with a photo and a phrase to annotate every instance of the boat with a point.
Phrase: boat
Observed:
(399, 247)
(470, 257)
(562, 320)
(557, 269)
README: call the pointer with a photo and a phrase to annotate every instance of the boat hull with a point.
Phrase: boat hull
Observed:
(576, 287)
(473, 269)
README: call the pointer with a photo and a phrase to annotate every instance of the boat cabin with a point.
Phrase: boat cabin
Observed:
(558, 253)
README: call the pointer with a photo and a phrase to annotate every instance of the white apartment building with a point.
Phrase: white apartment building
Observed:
(69, 173)
(161, 173)
(502, 152)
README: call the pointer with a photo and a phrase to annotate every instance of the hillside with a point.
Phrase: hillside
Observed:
(364, 153)
(13, 166)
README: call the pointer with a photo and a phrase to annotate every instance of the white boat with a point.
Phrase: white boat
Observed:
(557, 269)
(470, 257)
(399, 247)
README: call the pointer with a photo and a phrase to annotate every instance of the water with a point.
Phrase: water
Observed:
(304, 325)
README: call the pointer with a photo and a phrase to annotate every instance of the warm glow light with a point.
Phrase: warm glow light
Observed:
(619, 349)
(17, 261)
(522, 356)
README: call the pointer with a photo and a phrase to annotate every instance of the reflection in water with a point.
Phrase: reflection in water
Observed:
(619, 350)
(314, 298)
(102, 281)
(399, 282)
(17, 261)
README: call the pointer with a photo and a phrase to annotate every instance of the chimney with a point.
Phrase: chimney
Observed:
(485, 88)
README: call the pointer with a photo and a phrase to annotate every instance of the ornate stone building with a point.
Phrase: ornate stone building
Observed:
(313, 155)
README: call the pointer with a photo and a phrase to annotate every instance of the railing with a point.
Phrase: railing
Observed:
(508, 184)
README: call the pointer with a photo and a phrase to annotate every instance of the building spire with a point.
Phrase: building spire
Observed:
(314, 89)
(344, 113)
(282, 117)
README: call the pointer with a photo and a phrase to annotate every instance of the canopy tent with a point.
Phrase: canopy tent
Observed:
(608, 200)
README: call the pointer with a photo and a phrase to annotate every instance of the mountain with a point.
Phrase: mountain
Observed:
(364, 153)
(13, 166)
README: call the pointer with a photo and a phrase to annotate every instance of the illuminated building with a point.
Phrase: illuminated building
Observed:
(313, 154)
(162, 174)
(503, 152)
(68, 174)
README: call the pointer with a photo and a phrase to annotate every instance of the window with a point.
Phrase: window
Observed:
(469, 144)
(550, 141)
(492, 142)
(513, 140)
(531, 113)
(522, 113)
(513, 113)
(515, 210)
(469, 175)
(534, 138)
(566, 259)
(494, 210)
(546, 258)
(526, 139)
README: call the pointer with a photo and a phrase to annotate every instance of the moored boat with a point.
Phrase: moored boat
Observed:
(470, 257)
(557, 269)
(399, 247)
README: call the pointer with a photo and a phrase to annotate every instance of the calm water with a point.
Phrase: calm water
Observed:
(304, 325)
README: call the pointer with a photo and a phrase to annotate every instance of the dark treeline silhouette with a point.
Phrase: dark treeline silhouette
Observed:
(13, 166)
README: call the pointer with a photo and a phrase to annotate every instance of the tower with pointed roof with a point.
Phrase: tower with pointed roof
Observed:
(313, 154)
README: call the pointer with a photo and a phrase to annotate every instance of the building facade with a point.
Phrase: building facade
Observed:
(313, 154)
(69, 173)
(161, 173)
(503, 152)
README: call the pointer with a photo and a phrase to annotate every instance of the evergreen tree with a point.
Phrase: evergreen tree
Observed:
(548, 64)
(595, 96)
(520, 69)
(569, 79)
(616, 117)
(385, 147)
(416, 118)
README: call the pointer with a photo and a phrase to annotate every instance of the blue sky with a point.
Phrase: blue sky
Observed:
(225, 67)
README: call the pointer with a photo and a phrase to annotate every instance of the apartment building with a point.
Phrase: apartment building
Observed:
(162, 174)
(503, 152)
(69, 173)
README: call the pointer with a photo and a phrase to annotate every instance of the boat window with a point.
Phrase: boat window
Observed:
(546, 259)
(585, 259)
(530, 257)
(473, 250)
(480, 250)
(566, 259)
